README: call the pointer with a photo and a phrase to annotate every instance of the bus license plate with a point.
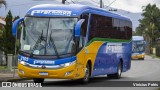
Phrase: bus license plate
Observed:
(43, 73)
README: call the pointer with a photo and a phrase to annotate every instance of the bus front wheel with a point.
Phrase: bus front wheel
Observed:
(118, 74)
(38, 80)
(87, 74)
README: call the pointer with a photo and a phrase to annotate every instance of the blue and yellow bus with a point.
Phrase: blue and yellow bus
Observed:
(138, 47)
(73, 42)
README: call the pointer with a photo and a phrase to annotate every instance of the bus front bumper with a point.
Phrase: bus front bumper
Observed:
(62, 73)
(139, 56)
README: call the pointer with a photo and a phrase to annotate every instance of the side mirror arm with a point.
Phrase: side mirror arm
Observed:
(78, 27)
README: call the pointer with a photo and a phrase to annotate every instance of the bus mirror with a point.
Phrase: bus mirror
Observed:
(15, 25)
(78, 27)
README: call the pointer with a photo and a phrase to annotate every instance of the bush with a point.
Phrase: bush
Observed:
(158, 51)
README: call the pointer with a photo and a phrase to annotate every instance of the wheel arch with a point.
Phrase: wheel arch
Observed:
(121, 61)
(90, 66)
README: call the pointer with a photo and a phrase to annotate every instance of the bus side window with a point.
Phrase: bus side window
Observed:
(100, 27)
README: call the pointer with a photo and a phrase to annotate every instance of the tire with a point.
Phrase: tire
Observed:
(87, 75)
(38, 80)
(118, 74)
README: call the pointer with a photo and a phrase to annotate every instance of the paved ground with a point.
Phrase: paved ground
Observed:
(141, 70)
(6, 75)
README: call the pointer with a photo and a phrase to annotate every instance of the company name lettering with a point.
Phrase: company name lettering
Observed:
(43, 62)
(52, 12)
(114, 48)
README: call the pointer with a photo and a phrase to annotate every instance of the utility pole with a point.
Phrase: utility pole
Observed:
(63, 1)
(101, 3)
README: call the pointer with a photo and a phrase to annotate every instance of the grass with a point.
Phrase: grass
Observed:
(153, 56)
(3, 67)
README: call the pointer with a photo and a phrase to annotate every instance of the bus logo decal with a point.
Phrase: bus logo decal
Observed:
(114, 48)
(43, 62)
(52, 12)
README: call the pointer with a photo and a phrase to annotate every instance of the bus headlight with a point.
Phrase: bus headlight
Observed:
(68, 64)
(23, 62)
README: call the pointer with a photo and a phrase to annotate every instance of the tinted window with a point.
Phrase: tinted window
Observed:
(107, 27)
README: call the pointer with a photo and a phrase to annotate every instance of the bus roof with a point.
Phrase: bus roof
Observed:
(137, 38)
(72, 10)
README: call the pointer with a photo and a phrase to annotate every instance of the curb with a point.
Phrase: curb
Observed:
(13, 79)
(17, 79)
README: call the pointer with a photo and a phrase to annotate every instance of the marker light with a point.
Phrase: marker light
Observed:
(21, 71)
(68, 73)
(68, 64)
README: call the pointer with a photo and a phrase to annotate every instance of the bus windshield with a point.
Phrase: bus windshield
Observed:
(138, 46)
(48, 36)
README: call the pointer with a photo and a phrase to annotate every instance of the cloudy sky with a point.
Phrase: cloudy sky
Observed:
(129, 5)
(133, 7)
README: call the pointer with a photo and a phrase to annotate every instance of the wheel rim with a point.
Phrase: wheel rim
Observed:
(119, 70)
(87, 74)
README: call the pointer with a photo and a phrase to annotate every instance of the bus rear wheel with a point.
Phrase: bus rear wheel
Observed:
(118, 74)
(38, 80)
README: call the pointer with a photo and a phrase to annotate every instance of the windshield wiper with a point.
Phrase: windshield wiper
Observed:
(53, 44)
(41, 38)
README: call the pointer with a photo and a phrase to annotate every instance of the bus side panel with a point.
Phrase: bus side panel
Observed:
(103, 61)
(88, 53)
(108, 57)
(127, 56)
(80, 67)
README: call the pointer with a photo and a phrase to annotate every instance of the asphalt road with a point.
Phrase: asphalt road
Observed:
(141, 70)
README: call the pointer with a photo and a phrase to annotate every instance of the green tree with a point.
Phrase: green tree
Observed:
(140, 29)
(150, 24)
(7, 44)
(3, 2)
(134, 33)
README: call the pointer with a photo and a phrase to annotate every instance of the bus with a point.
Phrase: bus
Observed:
(73, 42)
(138, 47)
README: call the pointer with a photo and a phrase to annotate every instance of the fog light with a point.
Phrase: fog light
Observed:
(21, 71)
(68, 73)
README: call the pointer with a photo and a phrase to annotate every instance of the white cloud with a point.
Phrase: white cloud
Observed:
(131, 5)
